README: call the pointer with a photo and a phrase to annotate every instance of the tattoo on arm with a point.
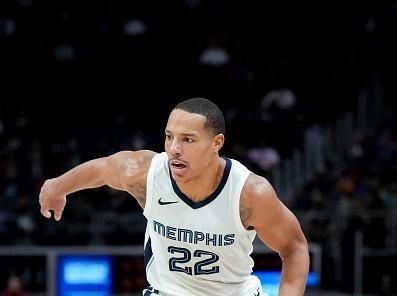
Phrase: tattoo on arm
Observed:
(138, 190)
(245, 214)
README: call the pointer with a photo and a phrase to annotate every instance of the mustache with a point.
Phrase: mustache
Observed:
(176, 159)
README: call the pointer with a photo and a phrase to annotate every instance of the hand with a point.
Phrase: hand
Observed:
(51, 199)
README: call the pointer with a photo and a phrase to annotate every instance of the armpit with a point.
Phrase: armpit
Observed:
(138, 190)
(245, 215)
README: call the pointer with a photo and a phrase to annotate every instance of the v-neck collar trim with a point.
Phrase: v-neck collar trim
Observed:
(212, 196)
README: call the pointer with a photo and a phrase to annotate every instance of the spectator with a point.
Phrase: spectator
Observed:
(14, 287)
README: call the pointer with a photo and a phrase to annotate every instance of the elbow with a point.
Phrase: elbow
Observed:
(302, 251)
(302, 247)
(298, 248)
(305, 251)
(98, 171)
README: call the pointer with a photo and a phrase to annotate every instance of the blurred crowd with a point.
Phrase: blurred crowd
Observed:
(356, 193)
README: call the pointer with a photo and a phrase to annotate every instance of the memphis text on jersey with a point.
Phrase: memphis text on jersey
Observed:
(193, 236)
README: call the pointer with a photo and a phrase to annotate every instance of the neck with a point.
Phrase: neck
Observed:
(199, 188)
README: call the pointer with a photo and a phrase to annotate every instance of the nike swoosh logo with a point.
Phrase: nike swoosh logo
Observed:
(162, 203)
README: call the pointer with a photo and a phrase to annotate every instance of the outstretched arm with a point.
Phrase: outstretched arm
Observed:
(124, 170)
(278, 228)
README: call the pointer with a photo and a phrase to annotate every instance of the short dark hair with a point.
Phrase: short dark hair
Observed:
(215, 120)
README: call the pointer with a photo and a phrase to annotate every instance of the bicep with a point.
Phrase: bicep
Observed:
(275, 224)
(282, 232)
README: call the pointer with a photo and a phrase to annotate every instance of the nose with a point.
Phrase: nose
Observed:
(175, 147)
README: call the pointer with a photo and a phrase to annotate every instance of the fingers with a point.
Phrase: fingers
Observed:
(45, 213)
(50, 200)
(57, 215)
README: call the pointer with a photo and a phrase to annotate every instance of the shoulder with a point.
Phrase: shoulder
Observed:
(257, 187)
(258, 201)
(132, 164)
(133, 168)
(140, 155)
(137, 158)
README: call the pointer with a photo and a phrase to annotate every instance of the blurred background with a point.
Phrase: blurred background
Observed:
(308, 92)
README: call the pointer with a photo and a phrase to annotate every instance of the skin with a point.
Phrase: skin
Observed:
(188, 141)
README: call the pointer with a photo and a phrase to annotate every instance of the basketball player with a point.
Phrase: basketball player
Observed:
(203, 211)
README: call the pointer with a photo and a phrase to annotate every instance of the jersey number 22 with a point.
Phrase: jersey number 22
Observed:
(200, 267)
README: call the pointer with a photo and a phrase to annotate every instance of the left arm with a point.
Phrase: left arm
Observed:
(279, 229)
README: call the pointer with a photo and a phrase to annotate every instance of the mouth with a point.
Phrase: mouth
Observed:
(178, 166)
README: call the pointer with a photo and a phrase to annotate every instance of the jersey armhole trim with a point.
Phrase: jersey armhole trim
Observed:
(149, 185)
(236, 204)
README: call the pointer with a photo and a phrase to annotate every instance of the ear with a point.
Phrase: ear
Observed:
(218, 142)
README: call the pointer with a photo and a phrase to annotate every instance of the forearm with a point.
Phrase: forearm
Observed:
(294, 272)
(86, 175)
(117, 171)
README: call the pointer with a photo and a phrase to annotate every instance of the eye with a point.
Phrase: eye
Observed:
(188, 140)
(168, 137)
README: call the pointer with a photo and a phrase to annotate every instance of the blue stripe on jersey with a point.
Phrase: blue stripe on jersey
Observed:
(148, 253)
(196, 205)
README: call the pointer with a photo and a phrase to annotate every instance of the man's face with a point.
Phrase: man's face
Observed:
(189, 145)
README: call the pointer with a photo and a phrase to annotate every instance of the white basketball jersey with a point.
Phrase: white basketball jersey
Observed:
(197, 249)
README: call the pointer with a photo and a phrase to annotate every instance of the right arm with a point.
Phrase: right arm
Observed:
(124, 170)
